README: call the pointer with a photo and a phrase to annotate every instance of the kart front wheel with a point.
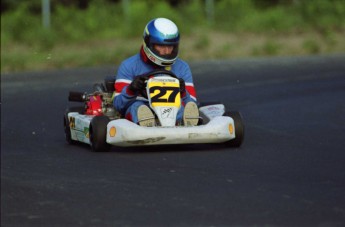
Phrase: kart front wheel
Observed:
(239, 129)
(98, 134)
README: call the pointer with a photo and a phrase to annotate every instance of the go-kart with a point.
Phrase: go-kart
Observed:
(97, 122)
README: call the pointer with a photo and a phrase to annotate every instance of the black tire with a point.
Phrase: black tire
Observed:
(239, 129)
(67, 130)
(66, 122)
(98, 134)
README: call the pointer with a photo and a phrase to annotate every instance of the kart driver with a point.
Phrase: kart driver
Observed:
(159, 51)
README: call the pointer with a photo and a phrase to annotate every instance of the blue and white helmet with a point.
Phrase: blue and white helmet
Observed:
(161, 31)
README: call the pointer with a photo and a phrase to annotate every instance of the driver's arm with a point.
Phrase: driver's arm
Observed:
(123, 96)
(185, 74)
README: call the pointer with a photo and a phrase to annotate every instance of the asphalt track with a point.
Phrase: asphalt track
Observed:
(290, 170)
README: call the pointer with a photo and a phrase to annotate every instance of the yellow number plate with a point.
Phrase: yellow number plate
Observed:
(164, 93)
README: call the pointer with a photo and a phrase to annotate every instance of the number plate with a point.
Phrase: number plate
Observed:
(164, 92)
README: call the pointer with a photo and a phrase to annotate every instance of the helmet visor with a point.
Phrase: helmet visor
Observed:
(166, 52)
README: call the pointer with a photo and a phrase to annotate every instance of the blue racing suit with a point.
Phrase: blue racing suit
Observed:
(127, 103)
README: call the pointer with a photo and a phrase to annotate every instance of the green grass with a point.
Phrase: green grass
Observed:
(106, 33)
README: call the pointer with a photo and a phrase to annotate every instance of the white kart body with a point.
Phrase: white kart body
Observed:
(130, 134)
(80, 125)
(122, 132)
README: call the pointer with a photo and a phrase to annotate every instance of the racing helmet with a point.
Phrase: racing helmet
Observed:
(161, 31)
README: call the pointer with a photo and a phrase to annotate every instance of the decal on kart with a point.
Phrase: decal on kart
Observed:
(84, 133)
(167, 112)
(72, 122)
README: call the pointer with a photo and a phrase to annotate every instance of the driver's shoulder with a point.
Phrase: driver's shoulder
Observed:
(131, 61)
(133, 66)
(182, 68)
(181, 63)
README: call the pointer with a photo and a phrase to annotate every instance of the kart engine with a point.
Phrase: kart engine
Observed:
(98, 103)
(101, 103)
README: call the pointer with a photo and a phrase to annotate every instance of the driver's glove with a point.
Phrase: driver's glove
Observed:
(138, 84)
(182, 86)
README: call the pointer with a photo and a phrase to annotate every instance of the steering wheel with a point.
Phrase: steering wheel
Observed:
(160, 71)
(155, 73)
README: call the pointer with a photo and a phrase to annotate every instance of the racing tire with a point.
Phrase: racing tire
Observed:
(98, 134)
(66, 123)
(239, 129)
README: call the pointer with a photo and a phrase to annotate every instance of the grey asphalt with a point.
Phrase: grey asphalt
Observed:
(290, 170)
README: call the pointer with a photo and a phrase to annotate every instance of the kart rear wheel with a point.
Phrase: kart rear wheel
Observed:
(98, 134)
(67, 130)
(239, 129)
(66, 122)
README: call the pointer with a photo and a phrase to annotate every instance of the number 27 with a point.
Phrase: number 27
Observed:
(162, 92)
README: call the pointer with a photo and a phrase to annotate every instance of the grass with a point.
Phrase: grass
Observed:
(233, 45)
(106, 33)
(215, 45)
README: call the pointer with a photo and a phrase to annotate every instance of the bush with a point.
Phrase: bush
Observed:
(103, 19)
(322, 14)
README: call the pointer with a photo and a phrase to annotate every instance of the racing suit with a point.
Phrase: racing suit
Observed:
(127, 103)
